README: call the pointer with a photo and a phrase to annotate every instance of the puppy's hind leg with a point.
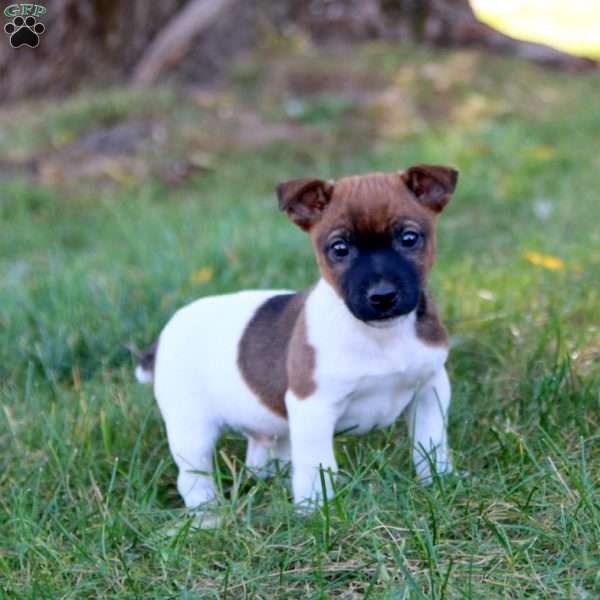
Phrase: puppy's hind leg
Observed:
(257, 455)
(282, 450)
(262, 452)
(192, 441)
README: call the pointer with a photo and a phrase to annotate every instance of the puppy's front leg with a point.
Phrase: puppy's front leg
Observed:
(426, 418)
(312, 423)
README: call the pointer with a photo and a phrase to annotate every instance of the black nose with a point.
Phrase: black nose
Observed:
(382, 296)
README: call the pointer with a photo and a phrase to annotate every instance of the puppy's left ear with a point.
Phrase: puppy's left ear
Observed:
(431, 184)
(304, 200)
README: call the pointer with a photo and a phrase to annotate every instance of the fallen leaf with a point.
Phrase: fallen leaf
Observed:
(540, 153)
(202, 275)
(545, 260)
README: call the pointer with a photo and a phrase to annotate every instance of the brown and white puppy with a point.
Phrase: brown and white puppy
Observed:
(289, 369)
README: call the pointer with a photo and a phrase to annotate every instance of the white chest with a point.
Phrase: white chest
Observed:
(395, 359)
(369, 374)
(375, 384)
(376, 402)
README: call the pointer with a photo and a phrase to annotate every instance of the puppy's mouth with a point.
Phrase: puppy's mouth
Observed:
(382, 319)
(385, 322)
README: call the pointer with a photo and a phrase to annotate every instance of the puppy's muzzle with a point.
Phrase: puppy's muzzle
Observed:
(382, 297)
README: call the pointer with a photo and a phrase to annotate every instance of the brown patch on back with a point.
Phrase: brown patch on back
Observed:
(430, 329)
(301, 361)
(273, 345)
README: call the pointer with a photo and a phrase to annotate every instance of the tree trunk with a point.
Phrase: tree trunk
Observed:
(111, 41)
(453, 23)
(172, 43)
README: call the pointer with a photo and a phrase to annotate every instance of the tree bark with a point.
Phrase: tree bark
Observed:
(103, 42)
(170, 45)
(453, 23)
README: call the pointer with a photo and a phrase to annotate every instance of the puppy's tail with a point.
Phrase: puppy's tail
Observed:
(144, 372)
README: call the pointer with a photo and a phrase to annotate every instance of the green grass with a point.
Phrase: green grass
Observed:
(90, 267)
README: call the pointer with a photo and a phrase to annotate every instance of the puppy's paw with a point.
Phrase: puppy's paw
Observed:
(199, 497)
(270, 469)
(306, 506)
(206, 519)
(311, 499)
(427, 476)
(191, 520)
(309, 488)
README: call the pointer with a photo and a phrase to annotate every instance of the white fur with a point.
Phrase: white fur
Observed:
(365, 377)
(142, 375)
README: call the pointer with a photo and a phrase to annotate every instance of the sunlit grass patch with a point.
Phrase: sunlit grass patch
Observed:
(572, 26)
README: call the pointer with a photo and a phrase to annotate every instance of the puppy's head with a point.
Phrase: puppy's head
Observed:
(373, 235)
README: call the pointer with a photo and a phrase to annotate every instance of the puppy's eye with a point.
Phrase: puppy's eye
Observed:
(340, 249)
(409, 238)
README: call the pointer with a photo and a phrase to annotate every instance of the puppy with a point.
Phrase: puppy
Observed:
(353, 352)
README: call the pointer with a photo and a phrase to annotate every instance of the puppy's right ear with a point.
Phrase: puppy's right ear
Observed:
(304, 200)
(432, 185)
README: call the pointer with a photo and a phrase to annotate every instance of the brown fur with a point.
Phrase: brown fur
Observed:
(304, 199)
(431, 184)
(430, 329)
(371, 206)
(274, 353)
(301, 361)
